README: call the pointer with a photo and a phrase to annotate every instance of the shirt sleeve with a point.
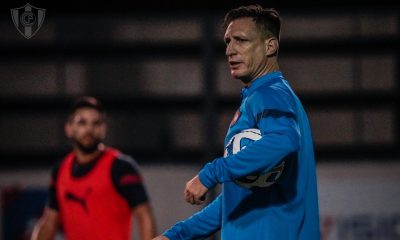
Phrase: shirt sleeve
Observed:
(52, 194)
(128, 181)
(200, 225)
(280, 137)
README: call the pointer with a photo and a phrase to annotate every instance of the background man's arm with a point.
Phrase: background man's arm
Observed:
(47, 226)
(145, 220)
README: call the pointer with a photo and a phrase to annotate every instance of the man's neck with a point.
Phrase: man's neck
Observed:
(268, 69)
(84, 158)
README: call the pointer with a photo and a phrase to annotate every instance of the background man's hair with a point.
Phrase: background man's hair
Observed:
(266, 19)
(86, 102)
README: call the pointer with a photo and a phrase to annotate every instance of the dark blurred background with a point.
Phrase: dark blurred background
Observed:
(160, 70)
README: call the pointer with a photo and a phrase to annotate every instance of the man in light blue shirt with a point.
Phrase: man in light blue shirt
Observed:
(287, 208)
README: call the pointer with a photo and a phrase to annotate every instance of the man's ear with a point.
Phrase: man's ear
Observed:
(103, 131)
(68, 129)
(271, 46)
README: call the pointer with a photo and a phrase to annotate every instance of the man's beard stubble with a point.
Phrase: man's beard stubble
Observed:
(87, 148)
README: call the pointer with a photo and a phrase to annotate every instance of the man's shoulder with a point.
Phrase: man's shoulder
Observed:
(272, 96)
(268, 92)
(125, 161)
(60, 161)
(119, 157)
(56, 167)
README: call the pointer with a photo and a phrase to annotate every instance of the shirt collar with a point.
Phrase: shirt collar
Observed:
(246, 91)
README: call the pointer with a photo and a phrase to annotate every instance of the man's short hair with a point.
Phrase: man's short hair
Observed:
(86, 102)
(266, 19)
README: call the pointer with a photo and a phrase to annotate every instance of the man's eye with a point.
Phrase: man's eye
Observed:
(98, 123)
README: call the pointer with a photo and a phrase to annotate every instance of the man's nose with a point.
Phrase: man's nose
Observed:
(90, 127)
(230, 50)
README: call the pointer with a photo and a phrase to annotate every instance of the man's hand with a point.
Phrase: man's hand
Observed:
(195, 191)
(161, 237)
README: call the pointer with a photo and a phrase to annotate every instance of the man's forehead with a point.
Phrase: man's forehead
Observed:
(240, 24)
(86, 113)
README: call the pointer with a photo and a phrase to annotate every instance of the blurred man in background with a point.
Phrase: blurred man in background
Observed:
(284, 205)
(95, 188)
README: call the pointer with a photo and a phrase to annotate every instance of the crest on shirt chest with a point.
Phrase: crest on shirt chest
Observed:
(235, 118)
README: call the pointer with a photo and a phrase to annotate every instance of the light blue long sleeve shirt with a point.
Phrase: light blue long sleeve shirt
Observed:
(288, 209)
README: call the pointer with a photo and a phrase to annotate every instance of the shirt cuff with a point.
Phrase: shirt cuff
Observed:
(177, 232)
(207, 176)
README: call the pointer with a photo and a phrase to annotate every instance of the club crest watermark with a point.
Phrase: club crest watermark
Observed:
(28, 19)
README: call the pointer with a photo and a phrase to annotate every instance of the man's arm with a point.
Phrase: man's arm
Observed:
(161, 237)
(129, 183)
(200, 225)
(276, 119)
(47, 226)
(263, 154)
(145, 219)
